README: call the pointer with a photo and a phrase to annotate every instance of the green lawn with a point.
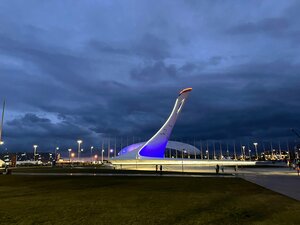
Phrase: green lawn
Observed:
(140, 200)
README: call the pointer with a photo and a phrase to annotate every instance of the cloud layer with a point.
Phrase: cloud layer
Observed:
(113, 68)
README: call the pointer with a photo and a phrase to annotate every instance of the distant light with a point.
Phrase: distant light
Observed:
(57, 148)
(81, 149)
(79, 141)
(72, 154)
(69, 149)
(95, 156)
(92, 147)
(111, 150)
(35, 146)
(255, 144)
(1, 142)
(102, 150)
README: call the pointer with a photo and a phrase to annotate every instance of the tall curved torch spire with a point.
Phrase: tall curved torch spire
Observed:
(155, 147)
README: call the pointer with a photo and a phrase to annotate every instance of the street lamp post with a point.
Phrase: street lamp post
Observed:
(182, 160)
(81, 150)
(234, 151)
(95, 157)
(221, 152)
(72, 156)
(115, 150)
(227, 151)
(79, 143)
(102, 155)
(69, 150)
(55, 156)
(92, 152)
(111, 151)
(244, 153)
(207, 150)
(255, 145)
(1, 143)
(214, 157)
(34, 151)
(207, 154)
(249, 154)
(108, 149)
(201, 150)
(279, 148)
(272, 155)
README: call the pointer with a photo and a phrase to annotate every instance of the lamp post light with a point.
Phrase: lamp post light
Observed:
(102, 155)
(34, 151)
(234, 151)
(207, 154)
(92, 147)
(201, 150)
(81, 150)
(255, 145)
(250, 154)
(244, 154)
(221, 151)
(69, 150)
(207, 150)
(111, 151)
(1, 143)
(95, 157)
(55, 156)
(79, 143)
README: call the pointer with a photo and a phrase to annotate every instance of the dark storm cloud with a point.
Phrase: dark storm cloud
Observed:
(32, 129)
(158, 71)
(148, 47)
(105, 69)
(152, 47)
(155, 73)
(272, 26)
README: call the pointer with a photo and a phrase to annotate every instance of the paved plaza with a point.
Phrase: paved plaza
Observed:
(281, 180)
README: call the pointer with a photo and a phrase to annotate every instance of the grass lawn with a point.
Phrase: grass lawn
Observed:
(140, 200)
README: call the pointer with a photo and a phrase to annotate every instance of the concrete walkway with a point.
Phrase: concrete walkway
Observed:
(284, 184)
(122, 175)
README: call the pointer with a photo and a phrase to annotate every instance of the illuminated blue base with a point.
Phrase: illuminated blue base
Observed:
(154, 150)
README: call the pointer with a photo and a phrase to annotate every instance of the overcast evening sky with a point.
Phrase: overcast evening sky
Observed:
(93, 69)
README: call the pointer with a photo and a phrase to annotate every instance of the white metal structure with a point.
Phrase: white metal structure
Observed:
(156, 145)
